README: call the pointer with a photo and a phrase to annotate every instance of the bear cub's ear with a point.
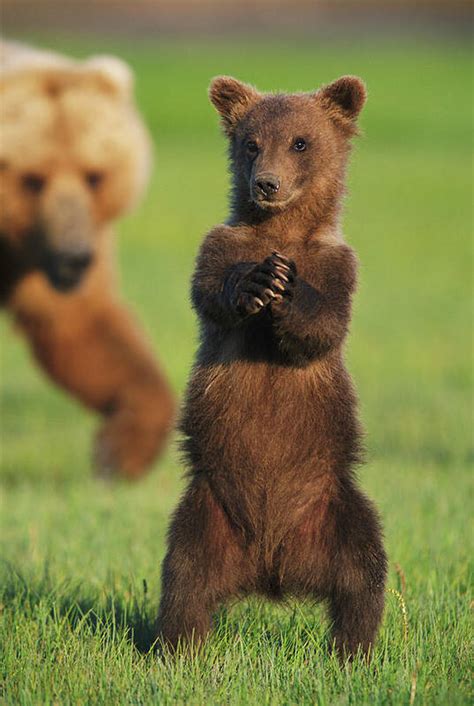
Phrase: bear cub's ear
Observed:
(232, 100)
(344, 98)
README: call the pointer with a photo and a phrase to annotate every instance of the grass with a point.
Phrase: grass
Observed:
(80, 561)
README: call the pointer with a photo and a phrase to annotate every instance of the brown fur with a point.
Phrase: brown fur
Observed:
(270, 423)
(73, 157)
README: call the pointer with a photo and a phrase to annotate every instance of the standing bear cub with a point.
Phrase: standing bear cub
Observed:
(270, 423)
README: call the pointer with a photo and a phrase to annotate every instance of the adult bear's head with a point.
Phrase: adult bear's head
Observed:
(74, 155)
(288, 148)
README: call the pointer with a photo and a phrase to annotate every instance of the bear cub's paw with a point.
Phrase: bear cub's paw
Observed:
(269, 282)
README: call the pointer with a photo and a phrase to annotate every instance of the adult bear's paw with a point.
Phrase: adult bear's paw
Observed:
(127, 443)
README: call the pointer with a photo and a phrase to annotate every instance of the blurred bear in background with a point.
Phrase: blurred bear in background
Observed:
(74, 156)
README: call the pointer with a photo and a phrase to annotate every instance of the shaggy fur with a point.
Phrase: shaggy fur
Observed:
(74, 155)
(270, 423)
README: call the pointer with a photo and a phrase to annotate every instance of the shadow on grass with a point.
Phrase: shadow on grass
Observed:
(117, 616)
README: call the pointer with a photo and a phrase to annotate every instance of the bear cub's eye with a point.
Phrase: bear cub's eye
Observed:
(252, 148)
(299, 145)
(34, 183)
(94, 179)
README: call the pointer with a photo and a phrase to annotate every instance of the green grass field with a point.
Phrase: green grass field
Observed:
(80, 560)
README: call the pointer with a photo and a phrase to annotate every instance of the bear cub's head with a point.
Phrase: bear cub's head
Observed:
(288, 148)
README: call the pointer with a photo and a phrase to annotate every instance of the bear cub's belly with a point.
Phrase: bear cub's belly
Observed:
(267, 421)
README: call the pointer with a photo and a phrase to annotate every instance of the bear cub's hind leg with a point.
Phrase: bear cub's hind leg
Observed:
(359, 568)
(336, 554)
(204, 567)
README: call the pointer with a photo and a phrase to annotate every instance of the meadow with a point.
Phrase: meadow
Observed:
(80, 559)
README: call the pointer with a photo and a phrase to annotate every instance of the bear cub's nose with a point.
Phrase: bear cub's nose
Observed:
(267, 184)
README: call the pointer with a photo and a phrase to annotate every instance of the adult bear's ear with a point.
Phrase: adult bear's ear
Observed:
(344, 99)
(115, 74)
(232, 100)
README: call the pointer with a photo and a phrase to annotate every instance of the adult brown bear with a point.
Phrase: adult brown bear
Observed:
(74, 155)
(270, 423)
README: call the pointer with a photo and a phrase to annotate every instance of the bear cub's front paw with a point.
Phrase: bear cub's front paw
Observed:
(285, 269)
(269, 282)
(283, 273)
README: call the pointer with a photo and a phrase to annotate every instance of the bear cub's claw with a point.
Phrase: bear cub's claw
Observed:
(271, 281)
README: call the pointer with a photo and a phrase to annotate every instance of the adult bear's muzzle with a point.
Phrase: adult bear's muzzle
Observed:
(65, 236)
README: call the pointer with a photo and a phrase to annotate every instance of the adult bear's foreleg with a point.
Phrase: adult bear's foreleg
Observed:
(92, 347)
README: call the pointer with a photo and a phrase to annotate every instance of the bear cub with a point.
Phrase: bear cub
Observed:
(270, 423)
